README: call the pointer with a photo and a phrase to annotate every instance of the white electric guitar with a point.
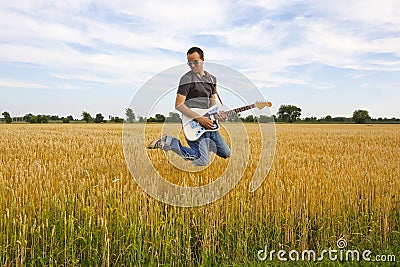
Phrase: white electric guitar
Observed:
(193, 130)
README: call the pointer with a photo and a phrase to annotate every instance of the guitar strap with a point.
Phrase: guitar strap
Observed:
(213, 85)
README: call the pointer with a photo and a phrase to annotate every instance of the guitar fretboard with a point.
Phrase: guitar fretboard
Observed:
(238, 110)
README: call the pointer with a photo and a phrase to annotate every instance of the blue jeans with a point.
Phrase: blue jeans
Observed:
(199, 150)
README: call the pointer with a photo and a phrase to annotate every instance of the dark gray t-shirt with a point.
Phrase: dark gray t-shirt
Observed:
(198, 91)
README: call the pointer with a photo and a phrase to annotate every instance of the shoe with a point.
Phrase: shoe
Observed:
(158, 143)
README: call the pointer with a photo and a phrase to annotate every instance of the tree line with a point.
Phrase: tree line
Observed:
(286, 114)
(290, 114)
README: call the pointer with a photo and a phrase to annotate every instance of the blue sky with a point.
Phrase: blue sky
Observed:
(327, 57)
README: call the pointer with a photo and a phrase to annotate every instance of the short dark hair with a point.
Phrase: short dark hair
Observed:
(196, 49)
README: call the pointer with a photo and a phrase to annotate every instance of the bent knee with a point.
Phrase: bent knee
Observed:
(225, 154)
(200, 162)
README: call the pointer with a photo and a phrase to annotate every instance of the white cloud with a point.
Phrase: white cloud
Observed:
(39, 32)
(82, 77)
(20, 84)
(372, 14)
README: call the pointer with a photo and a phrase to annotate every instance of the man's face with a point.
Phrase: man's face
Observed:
(195, 62)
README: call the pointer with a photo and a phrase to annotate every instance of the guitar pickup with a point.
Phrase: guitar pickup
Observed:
(193, 124)
(213, 111)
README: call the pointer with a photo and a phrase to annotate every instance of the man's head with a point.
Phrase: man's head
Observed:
(195, 57)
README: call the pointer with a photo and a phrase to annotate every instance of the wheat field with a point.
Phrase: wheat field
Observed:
(67, 198)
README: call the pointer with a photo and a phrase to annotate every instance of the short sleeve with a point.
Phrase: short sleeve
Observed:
(214, 84)
(185, 84)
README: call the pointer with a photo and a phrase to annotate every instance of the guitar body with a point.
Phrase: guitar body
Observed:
(193, 130)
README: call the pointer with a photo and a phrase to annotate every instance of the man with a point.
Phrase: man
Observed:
(197, 89)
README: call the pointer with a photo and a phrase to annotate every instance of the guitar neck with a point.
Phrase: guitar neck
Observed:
(238, 110)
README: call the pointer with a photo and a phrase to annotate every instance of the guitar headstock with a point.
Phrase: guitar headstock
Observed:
(263, 104)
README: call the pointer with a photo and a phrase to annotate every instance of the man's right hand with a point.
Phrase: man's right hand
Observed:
(205, 122)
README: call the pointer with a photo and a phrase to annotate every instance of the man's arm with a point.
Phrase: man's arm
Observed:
(180, 106)
(212, 100)
(221, 114)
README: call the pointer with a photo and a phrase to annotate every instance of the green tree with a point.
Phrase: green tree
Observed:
(160, 118)
(173, 117)
(54, 118)
(361, 116)
(310, 119)
(265, 119)
(250, 118)
(99, 118)
(43, 118)
(117, 120)
(130, 116)
(86, 116)
(289, 113)
(7, 117)
(28, 117)
(235, 117)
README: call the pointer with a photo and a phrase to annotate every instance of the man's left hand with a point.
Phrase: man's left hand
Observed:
(222, 116)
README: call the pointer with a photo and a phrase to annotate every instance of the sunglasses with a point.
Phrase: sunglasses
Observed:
(194, 62)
